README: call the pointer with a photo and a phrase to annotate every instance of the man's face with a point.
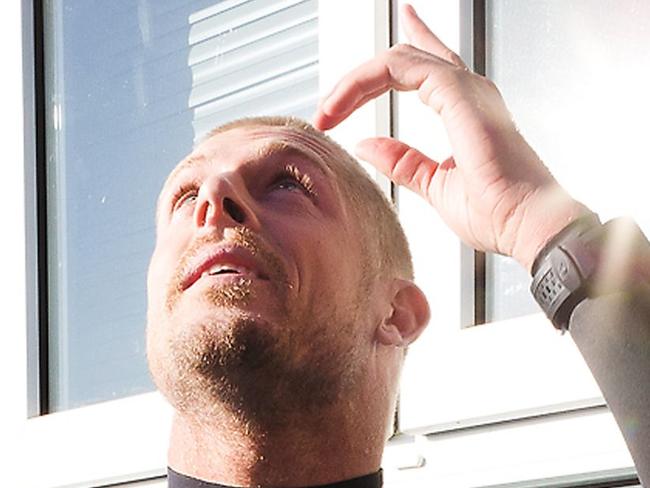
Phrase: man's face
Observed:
(255, 286)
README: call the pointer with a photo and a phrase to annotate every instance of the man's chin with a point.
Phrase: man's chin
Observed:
(212, 363)
(241, 364)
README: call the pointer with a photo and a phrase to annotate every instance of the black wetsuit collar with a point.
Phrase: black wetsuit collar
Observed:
(177, 480)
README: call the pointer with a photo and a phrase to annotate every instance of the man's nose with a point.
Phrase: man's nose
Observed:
(221, 202)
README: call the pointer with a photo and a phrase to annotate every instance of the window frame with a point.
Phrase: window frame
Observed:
(527, 452)
(34, 191)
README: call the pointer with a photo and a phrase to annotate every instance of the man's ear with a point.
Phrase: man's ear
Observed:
(409, 315)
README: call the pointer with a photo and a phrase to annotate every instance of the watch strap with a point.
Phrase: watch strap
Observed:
(588, 259)
(562, 270)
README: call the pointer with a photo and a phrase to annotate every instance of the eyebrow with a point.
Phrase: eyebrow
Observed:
(275, 148)
(188, 162)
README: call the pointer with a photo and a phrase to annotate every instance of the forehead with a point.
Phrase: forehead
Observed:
(242, 144)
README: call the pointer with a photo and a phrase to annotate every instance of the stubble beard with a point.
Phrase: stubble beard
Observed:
(261, 374)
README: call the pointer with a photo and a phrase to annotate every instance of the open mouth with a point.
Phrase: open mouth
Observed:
(233, 262)
(224, 269)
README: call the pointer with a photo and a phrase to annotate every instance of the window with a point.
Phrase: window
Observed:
(126, 99)
(587, 127)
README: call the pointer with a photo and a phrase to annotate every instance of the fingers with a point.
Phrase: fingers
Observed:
(400, 162)
(402, 67)
(420, 36)
(368, 81)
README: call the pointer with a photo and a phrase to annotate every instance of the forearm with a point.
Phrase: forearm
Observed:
(613, 335)
(610, 266)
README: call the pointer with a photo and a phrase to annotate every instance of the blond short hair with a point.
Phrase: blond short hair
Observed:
(390, 257)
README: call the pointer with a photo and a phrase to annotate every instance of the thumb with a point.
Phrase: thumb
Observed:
(403, 164)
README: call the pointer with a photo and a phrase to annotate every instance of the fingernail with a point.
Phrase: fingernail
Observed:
(411, 9)
(323, 99)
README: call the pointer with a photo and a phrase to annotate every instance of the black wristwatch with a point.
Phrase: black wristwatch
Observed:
(587, 259)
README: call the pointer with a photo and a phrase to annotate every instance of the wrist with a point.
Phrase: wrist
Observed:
(545, 218)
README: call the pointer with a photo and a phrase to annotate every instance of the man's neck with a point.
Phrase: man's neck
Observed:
(229, 452)
(178, 480)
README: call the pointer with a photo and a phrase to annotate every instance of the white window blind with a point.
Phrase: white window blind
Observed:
(258, 57)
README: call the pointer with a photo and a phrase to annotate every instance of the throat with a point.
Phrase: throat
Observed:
(231, 455)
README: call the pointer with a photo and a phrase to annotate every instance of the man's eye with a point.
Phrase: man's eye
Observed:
(288, 184)
(290, 179)
(185, 196)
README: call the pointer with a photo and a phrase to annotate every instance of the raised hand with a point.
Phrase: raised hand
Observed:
(493, 191)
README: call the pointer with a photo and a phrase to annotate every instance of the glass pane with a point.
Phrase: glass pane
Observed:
(130, 87)
(575, 77)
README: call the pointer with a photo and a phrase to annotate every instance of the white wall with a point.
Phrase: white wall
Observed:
(12, 246)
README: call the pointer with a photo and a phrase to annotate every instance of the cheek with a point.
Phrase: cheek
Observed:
(330, 269)
(163, 265)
